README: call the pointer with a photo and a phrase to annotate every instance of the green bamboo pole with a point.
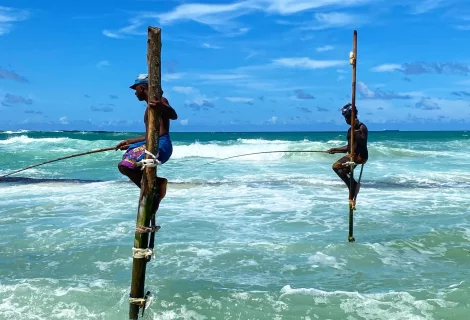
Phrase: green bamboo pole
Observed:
(352, 61)
(148, 186)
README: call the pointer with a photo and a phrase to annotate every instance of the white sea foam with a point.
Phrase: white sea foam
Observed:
(390, 305)
(275, 220)
(21, 140)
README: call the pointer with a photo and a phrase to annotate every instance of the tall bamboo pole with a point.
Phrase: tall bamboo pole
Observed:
(148, 186)
(353, 59)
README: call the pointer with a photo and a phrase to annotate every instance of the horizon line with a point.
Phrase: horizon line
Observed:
(295, 131)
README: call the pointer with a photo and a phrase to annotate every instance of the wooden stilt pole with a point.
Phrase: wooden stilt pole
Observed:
(352, 61)
(148, 186)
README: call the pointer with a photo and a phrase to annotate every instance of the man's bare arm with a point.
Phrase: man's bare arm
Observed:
(164, 107)
(170, 113)
(343, 149)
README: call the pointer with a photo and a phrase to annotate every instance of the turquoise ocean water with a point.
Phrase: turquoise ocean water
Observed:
(257, 237)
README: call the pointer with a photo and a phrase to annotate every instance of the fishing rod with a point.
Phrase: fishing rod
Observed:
(62, 158)
(261, 152)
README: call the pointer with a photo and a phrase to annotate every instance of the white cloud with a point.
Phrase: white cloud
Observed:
(336, 20)
(185, 90)
(63, 120)
(388, 67)
(223, 76)
(111, 34)
(167, 77)
(131, 29)
(325, 48)
(210, 46)
(423, 6)
(367, 93)
(286, 7)
(273, 120)
(102, 63)
(8, 16)
(364, 90)
(238, 99)
(184, 122)
(429, 109)
(236, 32)
(221, 16)
(205, 13)
(251, 54)
(308, 63)
(201, 99)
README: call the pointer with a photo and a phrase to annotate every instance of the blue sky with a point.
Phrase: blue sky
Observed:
(257, 65)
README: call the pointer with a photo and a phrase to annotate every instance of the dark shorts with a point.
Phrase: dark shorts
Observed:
(136, 152)
(340, 163)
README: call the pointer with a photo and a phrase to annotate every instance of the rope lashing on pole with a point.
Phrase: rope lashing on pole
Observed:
(59, 159)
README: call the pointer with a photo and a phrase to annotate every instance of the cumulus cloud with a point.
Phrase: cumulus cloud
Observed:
(272, 120)
(427, 104)
(12, 75)
(200, 105)
(367, 93)
(10, 99)
(304, 109)
(461, 93)
(300, 94)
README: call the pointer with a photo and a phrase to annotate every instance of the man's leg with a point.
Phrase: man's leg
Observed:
(343, 172)
(161, 185)
(135, 175)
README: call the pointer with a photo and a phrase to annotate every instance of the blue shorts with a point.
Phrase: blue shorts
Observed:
(136, 152)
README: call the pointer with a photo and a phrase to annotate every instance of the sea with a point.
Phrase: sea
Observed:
(263, 236)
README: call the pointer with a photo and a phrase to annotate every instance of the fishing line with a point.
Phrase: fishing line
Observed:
(113, 148)
(58, 159)
(276, 151)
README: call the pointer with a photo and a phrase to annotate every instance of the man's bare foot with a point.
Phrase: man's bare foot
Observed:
(352, 204)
